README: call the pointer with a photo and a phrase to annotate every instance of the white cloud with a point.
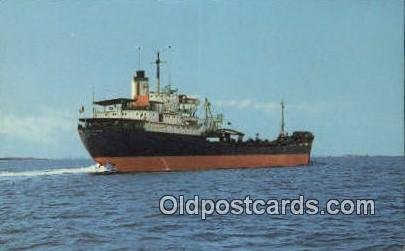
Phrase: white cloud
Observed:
(247, 103)
(49, 126)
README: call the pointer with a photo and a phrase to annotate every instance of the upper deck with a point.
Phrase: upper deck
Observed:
(163, 110)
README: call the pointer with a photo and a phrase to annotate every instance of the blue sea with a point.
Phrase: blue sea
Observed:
(68, 205)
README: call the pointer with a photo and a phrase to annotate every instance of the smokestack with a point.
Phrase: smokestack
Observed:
(140, 89)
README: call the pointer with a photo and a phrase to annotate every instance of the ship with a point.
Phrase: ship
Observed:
(166, 130)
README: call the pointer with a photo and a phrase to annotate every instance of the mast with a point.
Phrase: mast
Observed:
(207, 112)
(158, 62)
(208, 115)
(282, 118)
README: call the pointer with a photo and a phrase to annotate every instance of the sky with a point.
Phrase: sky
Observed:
(338, 65)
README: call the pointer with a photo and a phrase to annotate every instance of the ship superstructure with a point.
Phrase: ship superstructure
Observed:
(160, 131)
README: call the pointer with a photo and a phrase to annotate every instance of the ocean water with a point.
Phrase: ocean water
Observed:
(66, 204)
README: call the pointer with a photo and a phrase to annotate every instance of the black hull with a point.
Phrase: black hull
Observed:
(120, 138)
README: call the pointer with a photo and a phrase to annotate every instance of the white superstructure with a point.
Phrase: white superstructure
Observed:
(163, 110)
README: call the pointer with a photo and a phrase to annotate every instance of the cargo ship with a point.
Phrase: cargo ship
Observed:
(161, 130)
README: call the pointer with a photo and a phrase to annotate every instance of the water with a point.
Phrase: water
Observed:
(62, 204)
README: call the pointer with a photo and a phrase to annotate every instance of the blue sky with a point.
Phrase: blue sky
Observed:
(337, 64)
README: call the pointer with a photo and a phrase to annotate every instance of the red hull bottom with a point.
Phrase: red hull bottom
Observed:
(185, 163)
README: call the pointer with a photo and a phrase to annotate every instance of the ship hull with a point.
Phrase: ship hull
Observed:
(188, 163)
(127, 147)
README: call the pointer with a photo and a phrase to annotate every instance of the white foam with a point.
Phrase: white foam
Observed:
(60, 171)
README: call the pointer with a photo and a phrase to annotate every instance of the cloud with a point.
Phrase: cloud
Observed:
(247, 103)
(48, 126)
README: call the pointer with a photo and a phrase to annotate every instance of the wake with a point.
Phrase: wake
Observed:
(49, 172)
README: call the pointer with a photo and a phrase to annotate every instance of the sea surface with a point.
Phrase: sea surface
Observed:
(67, 205)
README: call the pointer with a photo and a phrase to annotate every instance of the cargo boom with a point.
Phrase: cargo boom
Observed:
(160, 131)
